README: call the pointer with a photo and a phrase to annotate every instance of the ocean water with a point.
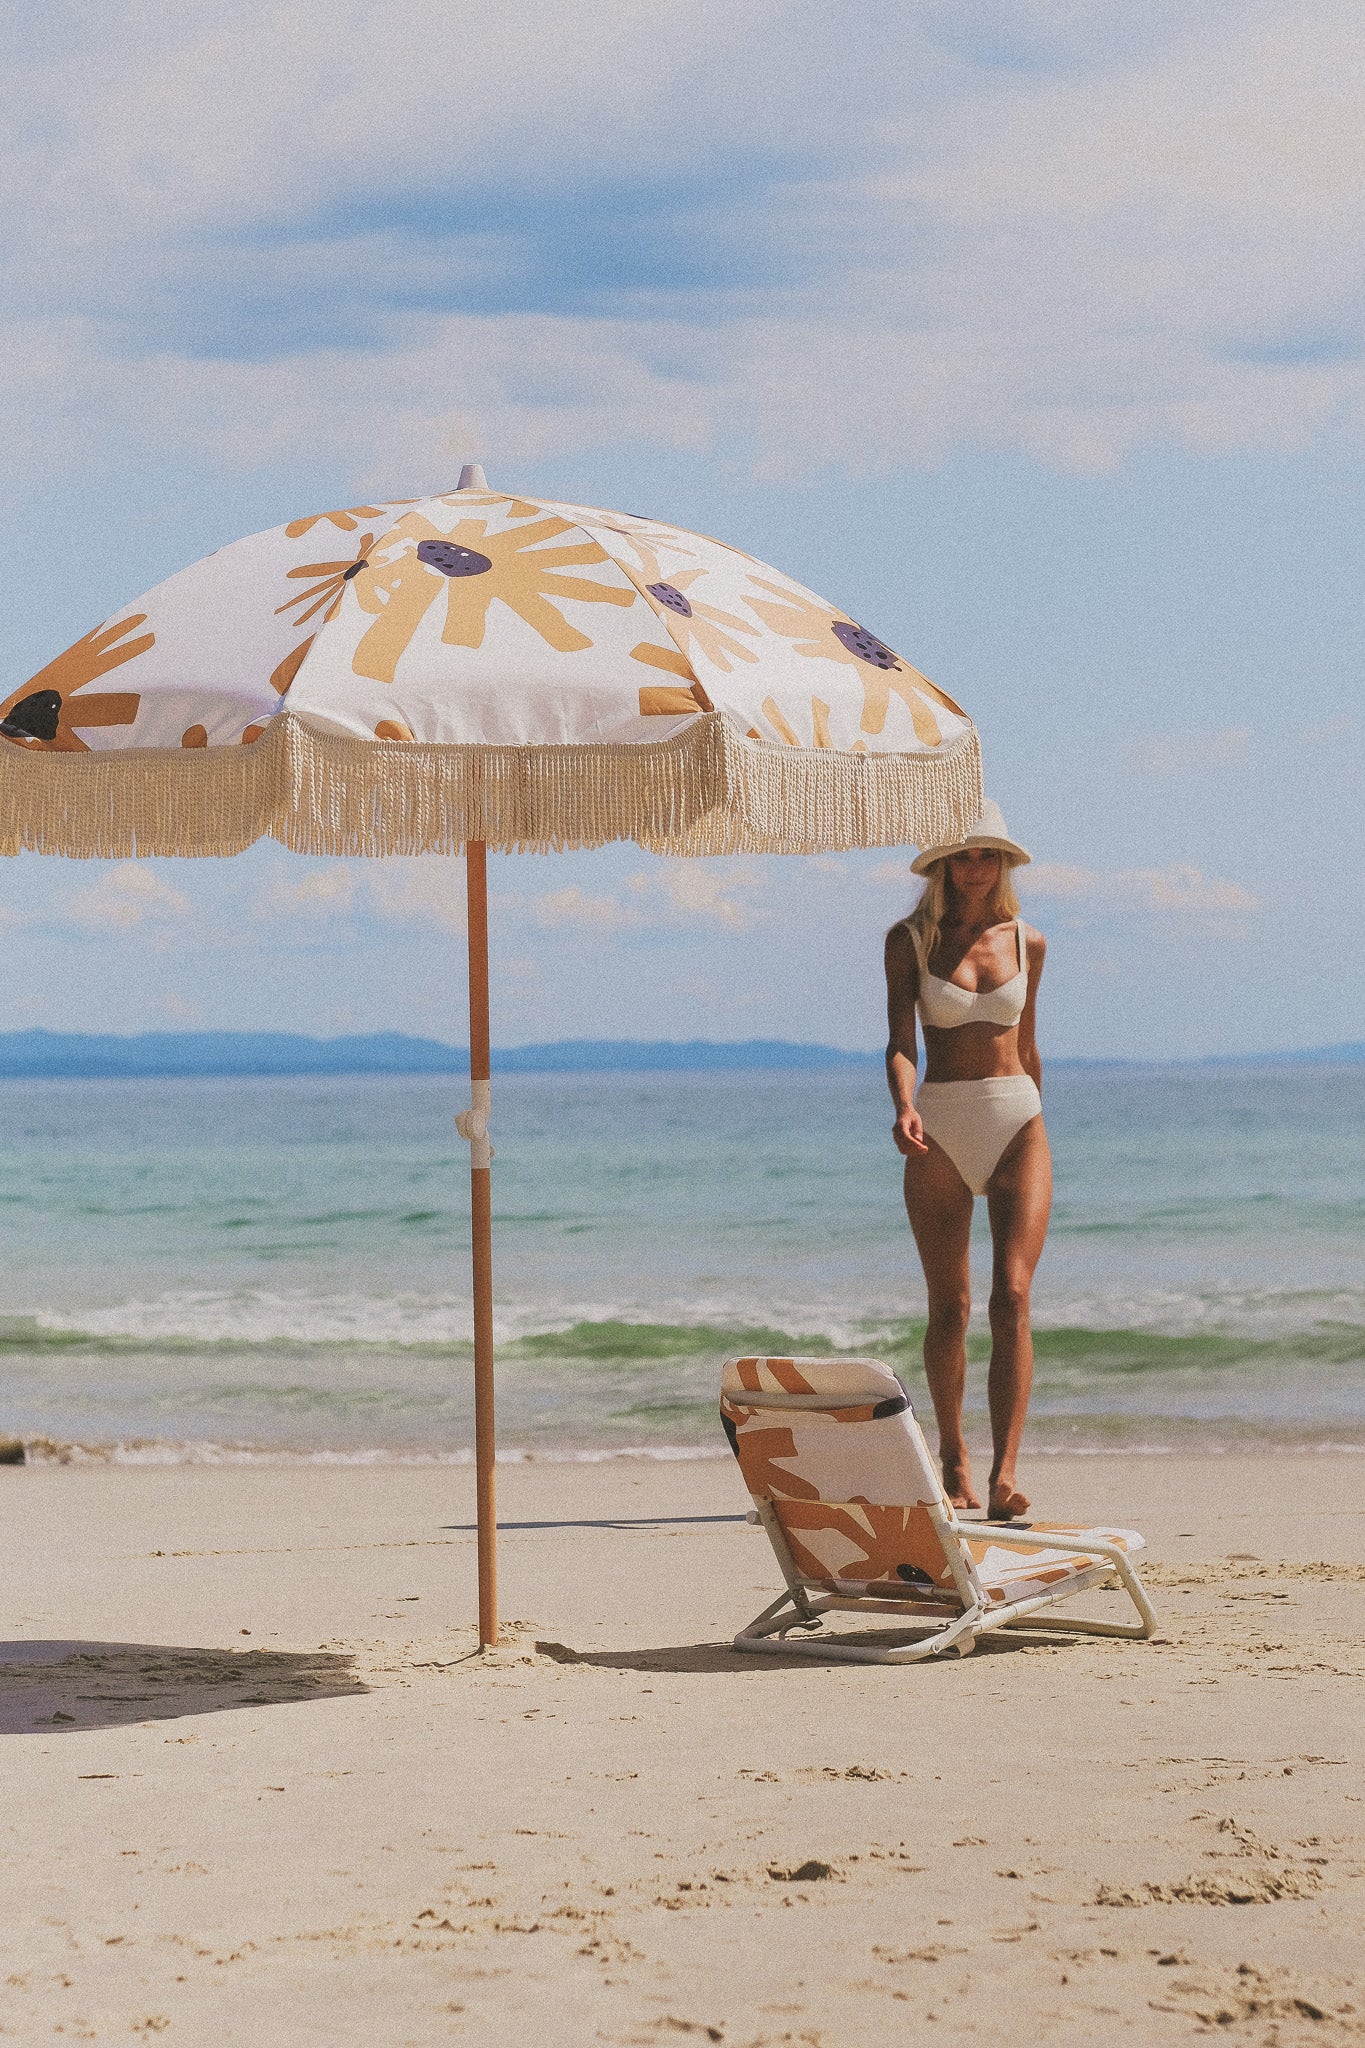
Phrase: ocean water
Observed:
(230, 1269)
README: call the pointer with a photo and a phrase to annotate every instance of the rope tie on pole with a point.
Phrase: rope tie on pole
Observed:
(472, 1124)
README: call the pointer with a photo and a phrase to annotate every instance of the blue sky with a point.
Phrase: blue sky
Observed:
(1028, 331)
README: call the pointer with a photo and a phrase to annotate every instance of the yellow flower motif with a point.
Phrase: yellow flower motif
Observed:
(690, 622)
(345, 521)
(661, 700)
(642, 534)
(49, 710)
(284, 672)
(474, 567)
(826, 635)
(197, 735)
(772, 711)
(635, 529)
(329, 585)
(517, 508)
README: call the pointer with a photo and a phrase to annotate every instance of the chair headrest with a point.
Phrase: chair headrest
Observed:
(809, 1382)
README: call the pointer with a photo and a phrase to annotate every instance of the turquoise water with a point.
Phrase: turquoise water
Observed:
(230, 1268)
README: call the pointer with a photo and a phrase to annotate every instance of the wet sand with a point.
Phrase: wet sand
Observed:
(259, 1788)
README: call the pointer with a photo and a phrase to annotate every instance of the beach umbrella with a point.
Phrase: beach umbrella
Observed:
(476, 669)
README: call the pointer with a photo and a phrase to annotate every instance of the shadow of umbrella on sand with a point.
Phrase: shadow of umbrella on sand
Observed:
(67, 1687)
(480, 669)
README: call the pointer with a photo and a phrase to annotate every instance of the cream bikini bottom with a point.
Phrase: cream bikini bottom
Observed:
(974, 1120)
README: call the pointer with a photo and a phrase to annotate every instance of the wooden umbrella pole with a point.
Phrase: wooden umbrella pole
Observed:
(481, 1228)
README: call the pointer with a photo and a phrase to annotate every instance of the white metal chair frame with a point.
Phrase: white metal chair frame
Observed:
(799, 1608)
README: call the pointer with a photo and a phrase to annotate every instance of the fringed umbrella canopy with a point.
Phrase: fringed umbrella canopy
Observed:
(406, 678)
(476, 670)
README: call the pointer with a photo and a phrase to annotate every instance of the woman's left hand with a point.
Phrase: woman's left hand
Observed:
(908, 1133)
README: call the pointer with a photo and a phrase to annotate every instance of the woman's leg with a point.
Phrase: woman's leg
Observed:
(939, 1205)
(1019, 1199)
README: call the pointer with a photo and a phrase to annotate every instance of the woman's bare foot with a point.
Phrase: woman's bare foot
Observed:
(1006, 1501)
(957, 1483)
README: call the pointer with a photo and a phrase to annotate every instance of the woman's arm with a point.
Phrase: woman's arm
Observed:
(1028, 1033)
(902, 989)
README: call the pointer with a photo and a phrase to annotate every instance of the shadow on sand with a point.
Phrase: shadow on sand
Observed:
(62, 1688)
(714, 1657)
(610, 1522)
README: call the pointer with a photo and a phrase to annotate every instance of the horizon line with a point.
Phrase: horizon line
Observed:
(37, 1052)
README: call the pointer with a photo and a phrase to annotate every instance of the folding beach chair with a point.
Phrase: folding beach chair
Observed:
(843, 1482)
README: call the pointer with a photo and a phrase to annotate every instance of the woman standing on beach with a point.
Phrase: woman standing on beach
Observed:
(965, 959)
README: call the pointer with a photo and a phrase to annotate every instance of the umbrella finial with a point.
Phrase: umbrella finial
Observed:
(472, 478)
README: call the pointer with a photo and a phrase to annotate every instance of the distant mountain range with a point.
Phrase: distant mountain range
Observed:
(38, 1055)
(62, 1055)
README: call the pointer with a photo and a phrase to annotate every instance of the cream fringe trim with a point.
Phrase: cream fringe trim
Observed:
(705, 790)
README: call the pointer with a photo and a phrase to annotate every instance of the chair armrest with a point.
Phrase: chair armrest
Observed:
(1045, 1539)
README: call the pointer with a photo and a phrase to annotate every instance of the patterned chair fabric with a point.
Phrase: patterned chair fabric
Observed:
(833, 1445)
(1016, 1571)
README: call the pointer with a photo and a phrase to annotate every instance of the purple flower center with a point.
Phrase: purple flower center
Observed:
(452, 561)
(865, 645)
(669, 594)
(35, 717)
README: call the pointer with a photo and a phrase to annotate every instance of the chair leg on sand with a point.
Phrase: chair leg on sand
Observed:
(811, 1432)
(1082, 1624)
(1025, 1614)
(796, 1609)
(768, 1632)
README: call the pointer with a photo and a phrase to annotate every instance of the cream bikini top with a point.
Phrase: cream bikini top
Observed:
(946, 1004)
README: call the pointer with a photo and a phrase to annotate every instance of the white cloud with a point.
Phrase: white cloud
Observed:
(1185, 753)
(712, 892)
(895, 871)
(575, 908)
(428, 889)
(198, 123)
(1328, 733)
(1179, 889)
(674, 892)
(1186, 889)
(316, 893)
(1054, 878)
(124, 897)
(179, 1010)
(424, 889)
(317, 238)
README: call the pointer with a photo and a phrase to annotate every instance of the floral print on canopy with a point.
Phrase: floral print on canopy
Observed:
(687, 696)
(694, 623)
(284, 672)
(326, 584)
(479, 618)
(345, 521)
(822, 634)
(515, 508)
(474, 566)
(53, 708)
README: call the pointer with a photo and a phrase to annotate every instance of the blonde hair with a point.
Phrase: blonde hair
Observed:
(929, 912)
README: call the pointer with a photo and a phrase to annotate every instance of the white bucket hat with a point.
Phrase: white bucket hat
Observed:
(990, 829)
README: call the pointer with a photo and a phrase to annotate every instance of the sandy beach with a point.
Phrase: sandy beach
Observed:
(260, 1789)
